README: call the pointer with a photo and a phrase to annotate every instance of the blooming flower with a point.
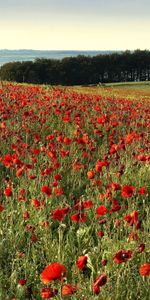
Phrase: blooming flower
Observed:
(127, 191)
(22, 281)
(79, 217)
(144, 270)
(81, 262)
(100, 280)
(47, 293)
(122, 256)
(46, 190)
(55, 271)
(90, 174)
(68, 289)
(8, 191)
(101, 211)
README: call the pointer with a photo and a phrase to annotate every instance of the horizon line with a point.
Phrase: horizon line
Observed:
(28, 49)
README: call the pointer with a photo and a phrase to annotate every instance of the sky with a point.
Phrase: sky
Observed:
(75, 24)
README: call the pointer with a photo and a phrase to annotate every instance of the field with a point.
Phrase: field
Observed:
(74, 192)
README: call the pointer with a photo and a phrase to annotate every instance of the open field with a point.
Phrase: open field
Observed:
(125, 89)
(74, 192)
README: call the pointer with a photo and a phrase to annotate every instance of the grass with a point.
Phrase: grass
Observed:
(91, 148)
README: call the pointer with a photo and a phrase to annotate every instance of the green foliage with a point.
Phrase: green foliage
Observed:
(81, 70)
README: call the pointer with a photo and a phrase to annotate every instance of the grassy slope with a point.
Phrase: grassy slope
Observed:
(124, 89)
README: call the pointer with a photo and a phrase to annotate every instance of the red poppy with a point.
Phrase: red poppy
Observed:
(8, 192)
(55, 271)
(87, 204)
(140, 248)
(133, 236)
(68, 289)
(96, 289)
(58, 214)
(81, 262)
(46, 190)
(104, 262)
(57, 177)
(26, 214)
(127, 191)
(101, 234)
(1, 207)
(115, 186)
(33, 238)
(7, 160)
(132, 218)
(47, 293)
(90, 174)
(22, 281)
(144, 270)
(36, 203)
(79, 217)
(100, 164)
(101, 280)
(58, 191)
(19, 172)
(122, 256)
(101, 211)
(115, 206)
(142, 190)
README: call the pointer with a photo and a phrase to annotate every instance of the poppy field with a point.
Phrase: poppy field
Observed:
(74, 194)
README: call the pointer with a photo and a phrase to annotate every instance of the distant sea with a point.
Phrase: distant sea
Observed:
(30, 55)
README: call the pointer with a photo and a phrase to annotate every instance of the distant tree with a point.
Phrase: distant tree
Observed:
(114, 67)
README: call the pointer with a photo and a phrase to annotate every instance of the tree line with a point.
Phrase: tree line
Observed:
(81, 70)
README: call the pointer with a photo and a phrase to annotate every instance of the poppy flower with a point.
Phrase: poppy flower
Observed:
(140, 248)
(57, 177)
(90, 174)
(87, 204)
(101, 211)
(58, 191)
(104, 262)
(78, 217)
(101, 234)
(8, 191)
(55, 271)
(133, 236)
(68, 290)
(101, 280)
(132, 218)
(47, 293)
(26, 215)
(122, 256)
(142, 190)
(7, 160)
(100, 164)
(1, 207)
(81, 262)
(58, 214)
(36, 203)
(144, 270)
(22, 281)
(127, 191)
(115, 186)
(96, 289)
(33, 238)
(115, 206)
(46, 190)
(19, 172)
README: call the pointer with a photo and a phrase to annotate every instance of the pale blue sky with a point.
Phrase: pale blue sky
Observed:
(75, 24)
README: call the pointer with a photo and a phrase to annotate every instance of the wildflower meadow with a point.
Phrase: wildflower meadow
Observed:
(74, 194)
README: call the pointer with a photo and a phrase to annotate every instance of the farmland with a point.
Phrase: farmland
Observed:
(74, 193)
